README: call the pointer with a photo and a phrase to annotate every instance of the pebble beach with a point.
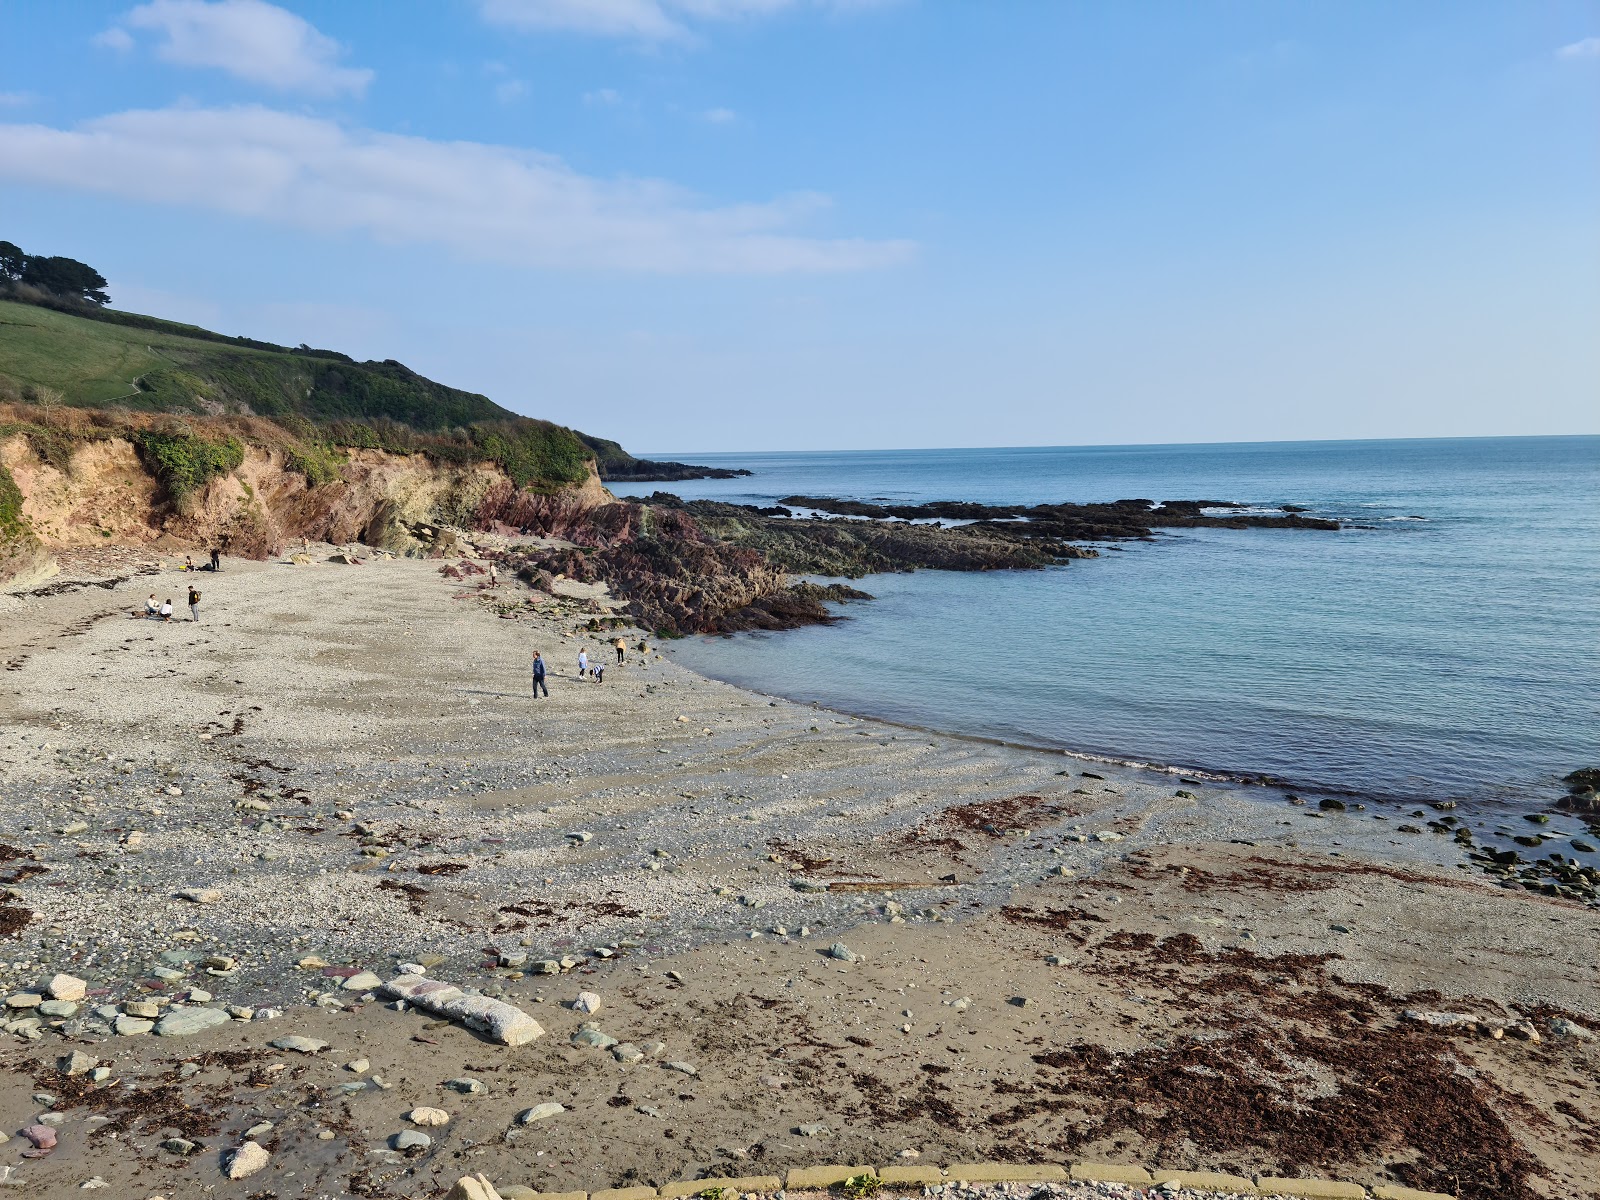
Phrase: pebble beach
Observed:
(752, 934)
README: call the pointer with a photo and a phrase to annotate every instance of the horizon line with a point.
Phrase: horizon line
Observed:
(661, 455)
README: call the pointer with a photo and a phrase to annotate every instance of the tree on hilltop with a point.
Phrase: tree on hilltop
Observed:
(66, 277)
(63, 278)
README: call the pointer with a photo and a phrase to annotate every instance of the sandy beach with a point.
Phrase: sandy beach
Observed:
(826, 939)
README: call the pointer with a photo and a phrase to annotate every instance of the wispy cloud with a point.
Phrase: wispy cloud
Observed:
(486, 202)
(510, 91)
(1588, 47)
(17, 99)
(250, 39)
(720, 116)
(642, 20)
(603, 98)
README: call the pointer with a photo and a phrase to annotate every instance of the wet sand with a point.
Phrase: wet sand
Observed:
(350, 758)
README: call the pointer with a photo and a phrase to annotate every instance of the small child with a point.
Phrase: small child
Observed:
(599, 672)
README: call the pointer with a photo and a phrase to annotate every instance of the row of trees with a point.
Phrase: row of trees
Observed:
(63, 278)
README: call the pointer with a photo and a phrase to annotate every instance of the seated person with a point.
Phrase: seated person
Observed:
(152, 607)
(166, 610)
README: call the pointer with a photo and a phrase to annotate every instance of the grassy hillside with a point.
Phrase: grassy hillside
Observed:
(101, 358)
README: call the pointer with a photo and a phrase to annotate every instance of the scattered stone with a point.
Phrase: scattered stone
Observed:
(147, 1010)
(588, 1035)
(1562, 1027)
(129, 1026)
(410, 1139)
(1019, 1001)
(180, 1146)
(300, 1045)
(181, 1022)
(467, 1087)
(24, 1000)
(43, 1137)
(587, 1002)
(681, 1067)
(57, 1008)
(67, 987)
(366, 981)
(843, 953)
(76, 1063)
(359, 1066)
(540, 1111)
(259, 1129)
(1438, 1020)
(201, 896)
(811, 1130)
(428, 1116)
(249, 1158)
(626, 1052)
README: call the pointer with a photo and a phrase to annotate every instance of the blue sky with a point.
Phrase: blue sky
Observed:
(788, 224)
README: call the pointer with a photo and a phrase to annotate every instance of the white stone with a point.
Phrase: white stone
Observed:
(540, 1111)
(249, 1158)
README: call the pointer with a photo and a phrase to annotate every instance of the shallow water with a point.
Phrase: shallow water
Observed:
(1452, 656)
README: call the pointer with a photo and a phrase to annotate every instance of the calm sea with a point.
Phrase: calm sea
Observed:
(1447, 645)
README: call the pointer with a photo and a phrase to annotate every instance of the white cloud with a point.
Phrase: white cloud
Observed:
(485, 202)
(603, 98)
(250, 39)
(510, 90)
(1588, 47)
(645, 20)
(17, 99)
(115, 38)
(720, 116)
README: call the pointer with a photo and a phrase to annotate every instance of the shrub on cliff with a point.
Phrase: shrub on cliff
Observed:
(535, 454)
(12, 524)
(183, 463)
(316, 462)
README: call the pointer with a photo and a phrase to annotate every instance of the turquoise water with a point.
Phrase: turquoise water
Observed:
(1448, 649)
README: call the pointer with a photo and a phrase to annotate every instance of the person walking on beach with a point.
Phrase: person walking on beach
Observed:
(538, 676)
(583, 663)
(216, 560)
(166, 609)
(194, 604)
(622, 649)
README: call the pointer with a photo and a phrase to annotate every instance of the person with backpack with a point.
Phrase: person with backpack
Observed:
(538, 676)
(194, 604)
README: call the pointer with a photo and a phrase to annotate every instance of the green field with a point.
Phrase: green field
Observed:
(325, 400)
(90, 363)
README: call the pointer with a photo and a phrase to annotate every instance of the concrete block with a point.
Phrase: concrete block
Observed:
(1393, 1191)
(627, 1193)
(815, 1178)
(1311, 1189)
(917, 1176)
(745, 1183)
(1109, 1173)
(1206, 1181)
(1006, 1172)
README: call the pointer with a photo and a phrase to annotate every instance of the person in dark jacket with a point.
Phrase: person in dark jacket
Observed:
(538, 676)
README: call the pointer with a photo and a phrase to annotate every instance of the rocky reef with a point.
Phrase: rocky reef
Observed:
(1119, 519)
